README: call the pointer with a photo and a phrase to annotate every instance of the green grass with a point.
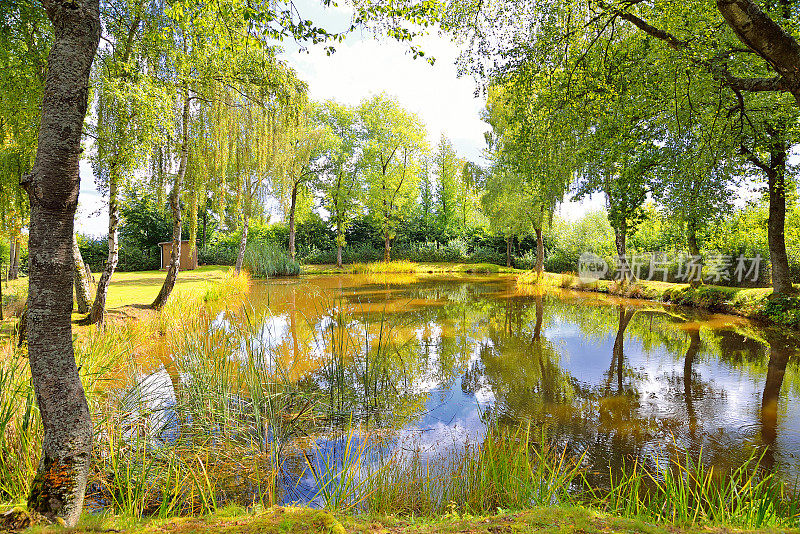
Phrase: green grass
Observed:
(280, 520)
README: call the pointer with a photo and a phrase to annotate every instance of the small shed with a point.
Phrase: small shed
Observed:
(188, 262)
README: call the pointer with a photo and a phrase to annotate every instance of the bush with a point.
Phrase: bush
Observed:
(218, 255)
(94, 251)
(263, 260)
(135, 259)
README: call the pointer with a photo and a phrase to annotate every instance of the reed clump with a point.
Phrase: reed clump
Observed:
(683, 490)
(511, 468)
(266, 260)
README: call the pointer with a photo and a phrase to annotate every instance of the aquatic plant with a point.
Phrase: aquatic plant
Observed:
(508, 469)
(265, 260)
(683, 490)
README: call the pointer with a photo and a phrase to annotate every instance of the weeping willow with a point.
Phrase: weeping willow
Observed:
(237, 134)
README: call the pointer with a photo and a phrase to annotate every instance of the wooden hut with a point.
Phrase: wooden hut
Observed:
(188, 262)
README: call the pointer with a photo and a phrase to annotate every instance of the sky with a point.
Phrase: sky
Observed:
(363, 66)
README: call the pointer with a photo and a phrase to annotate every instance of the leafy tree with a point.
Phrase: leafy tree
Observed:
(341, 184)
(535, 141)
(703, 39)
(25, 38)
(393, 153)
(507, 205)
(304, 156)
(52, 187)
(447, 168)
(130, 107)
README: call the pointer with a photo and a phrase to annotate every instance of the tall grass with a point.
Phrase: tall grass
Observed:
(401, 266)
(507, 469)
(685, 491)
(265, 260)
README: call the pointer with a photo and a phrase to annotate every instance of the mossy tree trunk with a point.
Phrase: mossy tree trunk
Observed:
(58, 488)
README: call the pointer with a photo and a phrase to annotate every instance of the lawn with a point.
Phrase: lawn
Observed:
(278, 520)
(132, 289)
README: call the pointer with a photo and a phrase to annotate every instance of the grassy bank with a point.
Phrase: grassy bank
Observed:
(403, 266)
(278, 520)
(753, 303)
(128, 294)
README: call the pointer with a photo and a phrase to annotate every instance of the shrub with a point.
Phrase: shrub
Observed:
(94, 251)
(217, 254)
(135, 259)
(263, 260)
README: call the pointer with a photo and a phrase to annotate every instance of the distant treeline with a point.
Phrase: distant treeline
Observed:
(144, 226)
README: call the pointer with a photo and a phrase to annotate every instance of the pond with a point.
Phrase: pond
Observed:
(432, 360)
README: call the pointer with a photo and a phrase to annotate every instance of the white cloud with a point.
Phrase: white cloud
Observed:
(363, 67)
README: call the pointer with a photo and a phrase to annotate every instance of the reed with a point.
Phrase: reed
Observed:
(508, 469)
(265, 260)
(683, 490)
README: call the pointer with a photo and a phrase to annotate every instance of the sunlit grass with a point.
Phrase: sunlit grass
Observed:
(400, 266)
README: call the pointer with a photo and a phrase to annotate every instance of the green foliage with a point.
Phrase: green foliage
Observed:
(784, 310)
(144, 224)
(265, 260)
(395, 144)
(684, 491)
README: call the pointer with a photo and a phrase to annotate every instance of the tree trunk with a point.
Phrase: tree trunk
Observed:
(291, 221)
(387, 246)
(175, 208)
(624, 267)
(339, 256)
(539, 252)
(97, 315)
(205, 223)
(694, 249)
(618, 352)
(688, 364)
(779, 261)
(58, 489)
(508, 251)
(13, 259)
(242, 246)
(83, 295)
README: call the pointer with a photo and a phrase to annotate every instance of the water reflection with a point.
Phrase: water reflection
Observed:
(432, 359)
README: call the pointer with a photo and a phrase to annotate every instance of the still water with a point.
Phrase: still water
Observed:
(429, 361)
(616, 379)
